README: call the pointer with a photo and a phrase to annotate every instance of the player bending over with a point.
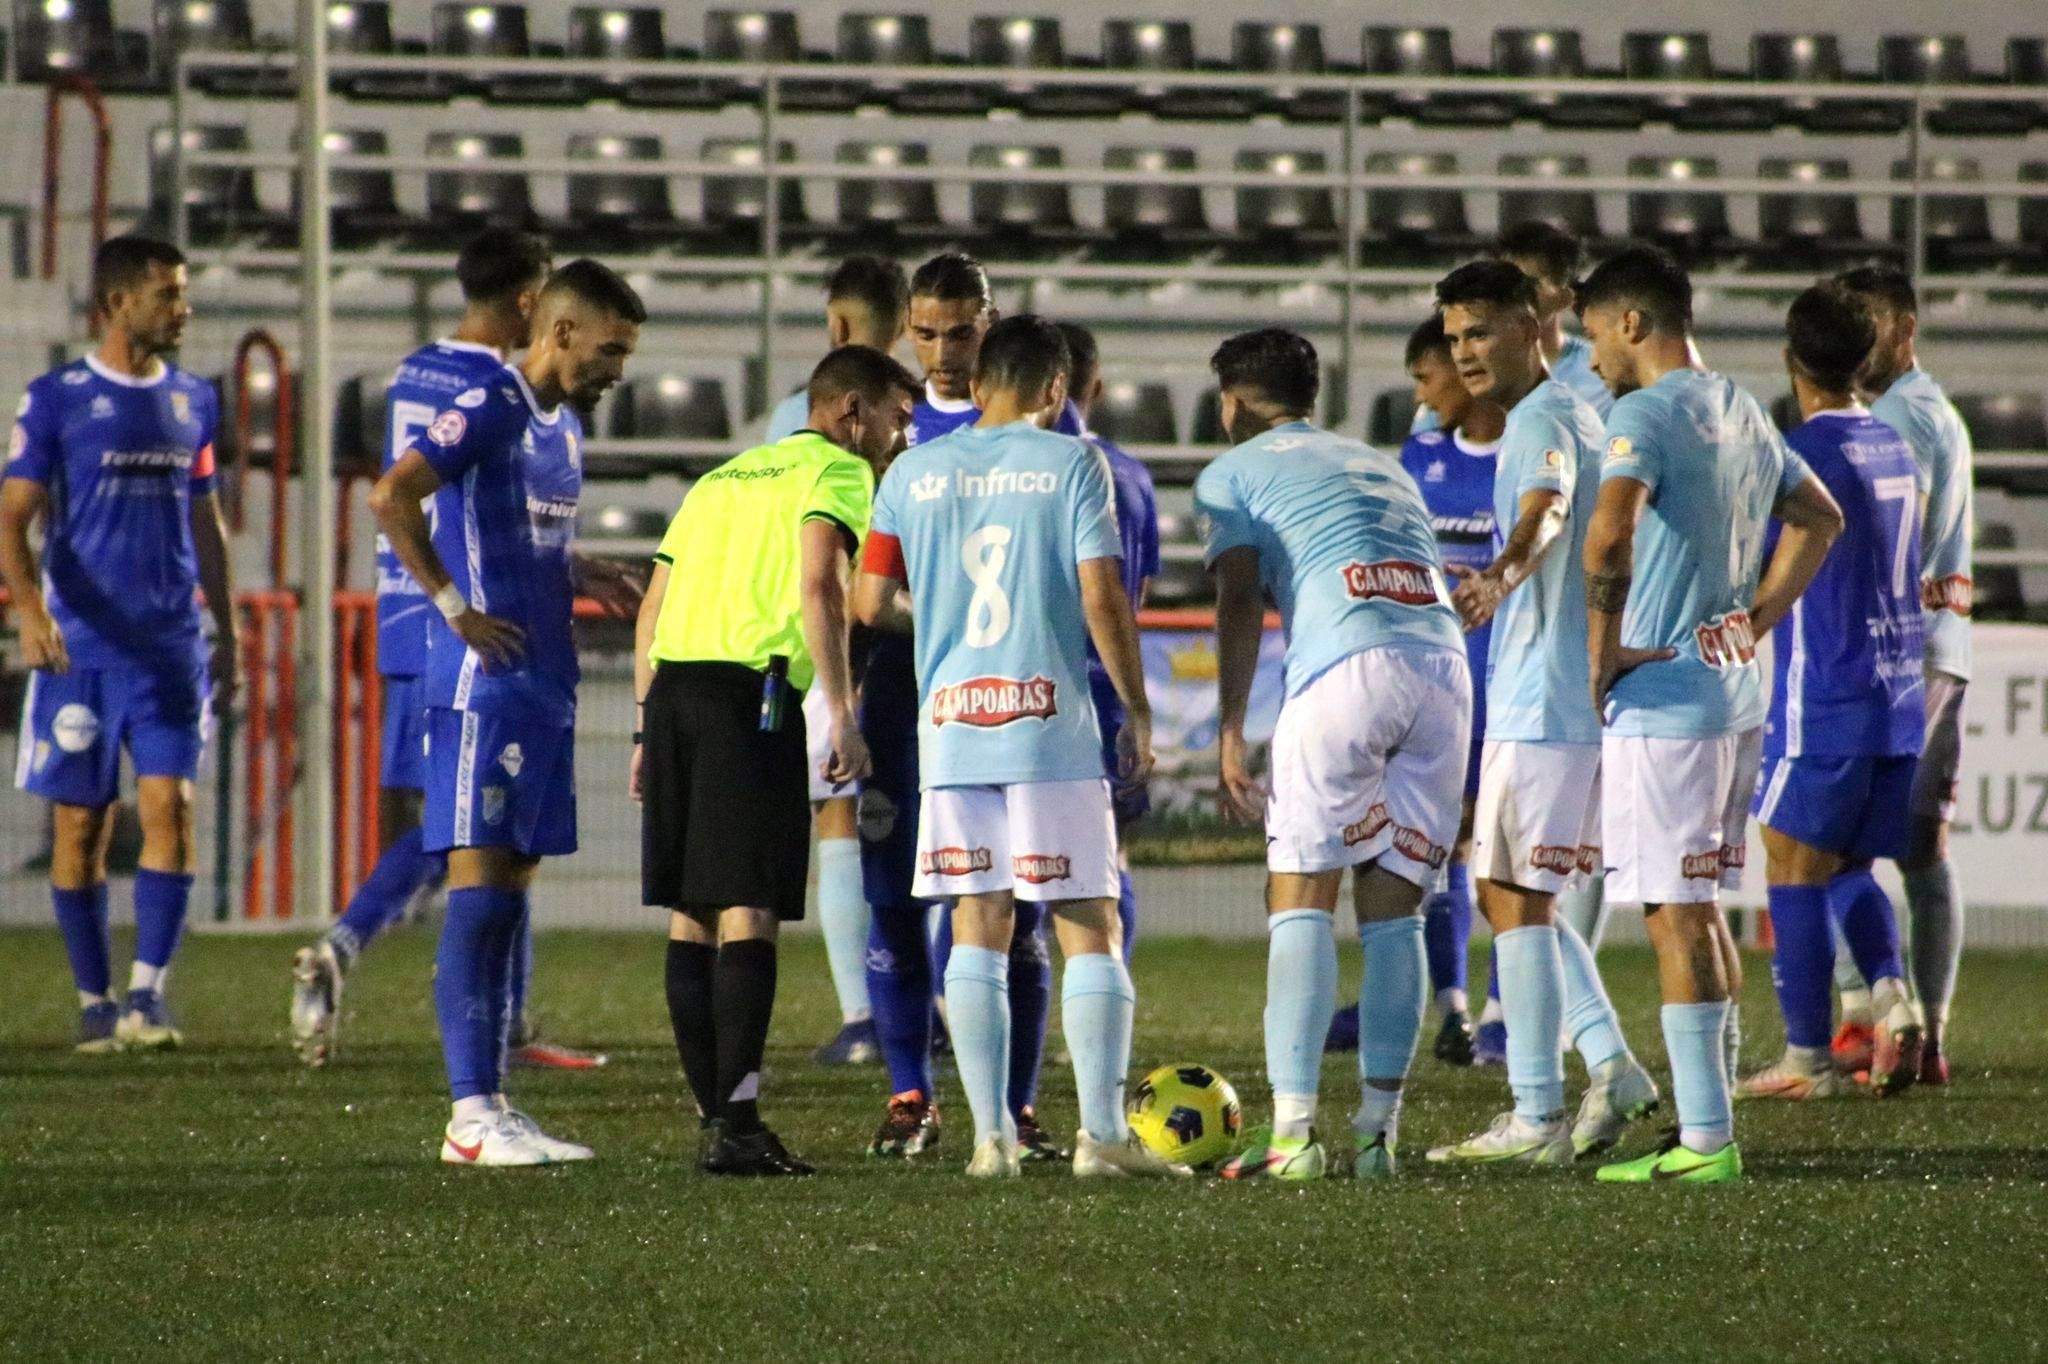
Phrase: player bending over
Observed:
(1369, 750)
(114, 452)
(1692, 475)
(504, 465)
(1006, 536)
(1537, 821)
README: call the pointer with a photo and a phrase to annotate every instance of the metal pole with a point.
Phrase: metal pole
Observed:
(180, 225)
(1918, 262)
(315, 888)
(771, 238)
(1348, 301)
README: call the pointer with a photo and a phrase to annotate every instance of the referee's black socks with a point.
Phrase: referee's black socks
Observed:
(689, 979)
(742, 1002)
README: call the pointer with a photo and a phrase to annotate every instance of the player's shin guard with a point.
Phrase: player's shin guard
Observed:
(978, 1015)
(469, 998)
(687, 979)
(1802, 963)
(1127, 911)
(743, 1002)
(900, 991)
(1589, 1018)
(1030, 1005)
(1390, 1005)
(1097, 1001)
(381, 900)
(1532, 985)
(82, 919)
(1935, 902)
(1301, 995)
(843, 919)
(1693, 1036)
(160, 900)
(1869, 927)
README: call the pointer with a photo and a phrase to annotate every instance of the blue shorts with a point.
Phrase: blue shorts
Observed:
(497, 781)
(1126, 802)
(75, 724)
(888, 815)
(1859, 808)
(403, 766)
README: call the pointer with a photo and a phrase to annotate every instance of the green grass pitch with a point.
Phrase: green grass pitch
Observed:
(223, 1203)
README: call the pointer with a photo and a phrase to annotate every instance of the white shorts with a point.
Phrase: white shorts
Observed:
(1537, 824)
(1749, 765)
(1369, 764)
(1045, 840)
(818, 738)
(1667, 803)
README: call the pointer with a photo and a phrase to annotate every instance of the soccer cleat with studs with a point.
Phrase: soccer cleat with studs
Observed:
(1454, 1039)
(909, 1129)
(1511, 1139)
(1784, 1079)
(995, 1158)
(1268, 1157)
(1675, 1163)
(316, 1002)
(855, 1044)
(756, 1154)
(1034, 1145)
(96, 1029)
(1127, 1159)
(146, 1023)
(1610, 1104)
(1898, 1052)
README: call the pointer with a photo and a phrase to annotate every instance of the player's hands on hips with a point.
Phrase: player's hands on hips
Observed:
(1610, 666)
(224, 671)
(850, 760)
(42, 641)
(1477, 596)
(1237, 791)
(633, 772)
(1134, 757)
(499, 643)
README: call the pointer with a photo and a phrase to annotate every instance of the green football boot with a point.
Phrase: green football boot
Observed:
(1266, 1157)
(1674, 1162)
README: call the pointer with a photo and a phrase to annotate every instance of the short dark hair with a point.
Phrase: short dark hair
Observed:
(1023, 354)
(876, 283)
(1646, 278)
(1278, 364)
(1427, 338)
(1830, 333)
(1885, 284)
(1487, 281)
(498, 263)
(951, 276)
(124, 262)
(859, 369)
(1084, 359)
(598, 285)
(1561, 254)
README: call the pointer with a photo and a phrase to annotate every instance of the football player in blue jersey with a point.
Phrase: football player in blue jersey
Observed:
(503, 462)
(114, 454)
(1005, 535)
(1677, 585)
(951, 310)
(1909, 401)
(1847, 715)
(1536, 821)
(1368, 765)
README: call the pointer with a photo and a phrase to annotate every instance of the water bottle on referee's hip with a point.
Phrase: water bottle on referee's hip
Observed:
(774, 692)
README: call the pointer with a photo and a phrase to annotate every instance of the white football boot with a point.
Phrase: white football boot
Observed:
(995, 1158)
(1611, 1103)
(316, 1002)
(1511, 1139)
(1126, 1159)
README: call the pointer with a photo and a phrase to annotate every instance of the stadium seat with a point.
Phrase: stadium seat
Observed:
(1558, 53)
(672, 407)
(768, 36)
(1027, 217)
(1917, 59)
(614, 523)
(462, 29)
(220, 201)
(363, 28)
(1425, 224)
(1393, 413)
(217, 26)
(2026, 63)
(1807, 227)
(363, 204)
(1032, 45)
(619, 204)
(2005, 421)
(734, 205)
(359, 408)
(1574, 210)
(883, 204)
(1135, 414)
(1150, 219)
(1283, 215)
(1785, 411)
(612, 33)
(1391, 51)
(904, 40)
(1208, 424)
(1281, 49)
(470, 200)
(1957, 226)
(1163, 45)
(1691, 223)
(2034, 217)
(1996, 590)
(1816, 59)
(1688, 57)
(79, 35)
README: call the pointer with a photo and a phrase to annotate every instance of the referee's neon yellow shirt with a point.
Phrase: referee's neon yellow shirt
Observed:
(735, 562)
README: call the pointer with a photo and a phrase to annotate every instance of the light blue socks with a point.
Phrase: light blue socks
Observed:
(1589, 1018)
(1531, 994)
(1693, 1035)
(1301, 996)
(1097, 1001)
(978, 1015)
(843, 918)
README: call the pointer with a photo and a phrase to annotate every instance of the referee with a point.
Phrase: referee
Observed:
(746, 607)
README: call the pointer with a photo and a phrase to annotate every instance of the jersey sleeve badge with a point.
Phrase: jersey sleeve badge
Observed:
(447, 428)
(470, 397)
(1619, 448)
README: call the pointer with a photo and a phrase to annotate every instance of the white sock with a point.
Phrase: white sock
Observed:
(142, 976)
(1492, 1012)
(1451, 1000)
(1379, 1113)
(1884, 994)
(475, 1108)
(1293, 1116)
(86, 1001)
(1856, 1007)
(1807, 1060)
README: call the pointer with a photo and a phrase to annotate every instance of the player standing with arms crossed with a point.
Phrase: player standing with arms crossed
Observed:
(1369, 750)
(1848, 711)
(115, 453)
(1692, 475)
(1536, 829)
(504, 463)
(1006, 536)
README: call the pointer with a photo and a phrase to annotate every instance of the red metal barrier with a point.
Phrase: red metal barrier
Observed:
(358, 734)
(283, 448)
(269, 727)
(64, 83)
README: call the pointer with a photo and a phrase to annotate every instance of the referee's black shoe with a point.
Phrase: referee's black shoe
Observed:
(759, 1152)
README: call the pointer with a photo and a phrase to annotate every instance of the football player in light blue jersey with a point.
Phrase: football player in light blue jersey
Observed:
(504, 463)
(1536, 822)
(114, 455)
(1369, 752)
(1911, 403)
(1006, 537)
(864, 306)
(1676, 588)
(1847, 716)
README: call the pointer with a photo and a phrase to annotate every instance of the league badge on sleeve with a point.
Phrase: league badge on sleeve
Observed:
(181, 406)
(448, 428)
(1620, 448)
(470, 397)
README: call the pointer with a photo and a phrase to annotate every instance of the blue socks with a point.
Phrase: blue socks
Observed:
(160, 898)
(381, 899)
(1869, 927)
(1447, 932)
(82, 919)
(1803, 962)
(1589, 1018)
(978, 1015)
(1532, 986)
(1097, 1001)
(843, 918)
(472, 986)
(521, 975)
(899, 963)
(1301, 994)
(1390, 997)
(1693, 1035)
(1127, 911)
(1030, 1004)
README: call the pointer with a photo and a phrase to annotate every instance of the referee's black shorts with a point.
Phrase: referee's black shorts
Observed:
(725, 815)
